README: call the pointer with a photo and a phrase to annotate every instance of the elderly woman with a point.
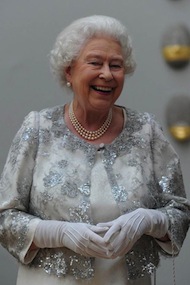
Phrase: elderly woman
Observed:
(91, 192)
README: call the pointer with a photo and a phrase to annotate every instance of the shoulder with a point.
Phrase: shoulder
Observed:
(136, 116)
(52, 113)
(138, 123)
(44, 116)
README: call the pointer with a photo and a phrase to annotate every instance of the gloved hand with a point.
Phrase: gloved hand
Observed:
(128, 228)
(80, 237)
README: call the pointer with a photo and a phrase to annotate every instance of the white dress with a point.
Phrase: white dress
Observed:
(52, 174)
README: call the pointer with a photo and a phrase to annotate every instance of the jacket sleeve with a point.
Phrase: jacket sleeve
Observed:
(171, 196)
(17, 226)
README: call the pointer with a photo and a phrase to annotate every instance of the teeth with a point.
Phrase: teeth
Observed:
(107, 89)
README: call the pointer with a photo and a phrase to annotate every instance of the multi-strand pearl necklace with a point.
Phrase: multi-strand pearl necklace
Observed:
(89, 135)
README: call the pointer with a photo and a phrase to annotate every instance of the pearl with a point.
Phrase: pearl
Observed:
(89, 135)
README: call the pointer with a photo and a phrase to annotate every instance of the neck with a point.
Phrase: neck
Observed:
(90, 119)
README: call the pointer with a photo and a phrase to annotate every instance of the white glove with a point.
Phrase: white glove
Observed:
(80, 237)
(128, 228)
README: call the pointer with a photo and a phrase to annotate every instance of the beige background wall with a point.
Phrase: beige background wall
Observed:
(27, 32)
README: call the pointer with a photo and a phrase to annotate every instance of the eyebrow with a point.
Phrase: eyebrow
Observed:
(94, 55)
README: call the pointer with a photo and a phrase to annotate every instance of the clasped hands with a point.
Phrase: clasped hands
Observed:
(104, 240)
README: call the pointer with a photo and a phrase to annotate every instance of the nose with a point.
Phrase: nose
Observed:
(106, 73)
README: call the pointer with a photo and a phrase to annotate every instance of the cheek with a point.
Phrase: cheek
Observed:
(120, 80)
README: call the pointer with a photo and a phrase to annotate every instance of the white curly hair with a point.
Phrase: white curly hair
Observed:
(73, 38)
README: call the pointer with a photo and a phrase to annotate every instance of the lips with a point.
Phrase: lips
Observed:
(102, 89)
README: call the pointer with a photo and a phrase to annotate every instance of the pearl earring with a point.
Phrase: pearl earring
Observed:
(68, 84)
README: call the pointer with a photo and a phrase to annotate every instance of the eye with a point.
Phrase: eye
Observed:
(95, 63)
(115, 66)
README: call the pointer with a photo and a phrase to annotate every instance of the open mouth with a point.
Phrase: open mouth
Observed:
(102, 89)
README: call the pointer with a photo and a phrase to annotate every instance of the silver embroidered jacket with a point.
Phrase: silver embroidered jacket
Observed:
(48, 175)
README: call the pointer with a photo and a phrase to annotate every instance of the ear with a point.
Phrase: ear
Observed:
(68, 73)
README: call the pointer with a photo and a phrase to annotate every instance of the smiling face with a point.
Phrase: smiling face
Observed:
(97, 75)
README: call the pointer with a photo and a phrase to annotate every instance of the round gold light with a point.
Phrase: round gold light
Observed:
(180, 133)
(176, 52)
